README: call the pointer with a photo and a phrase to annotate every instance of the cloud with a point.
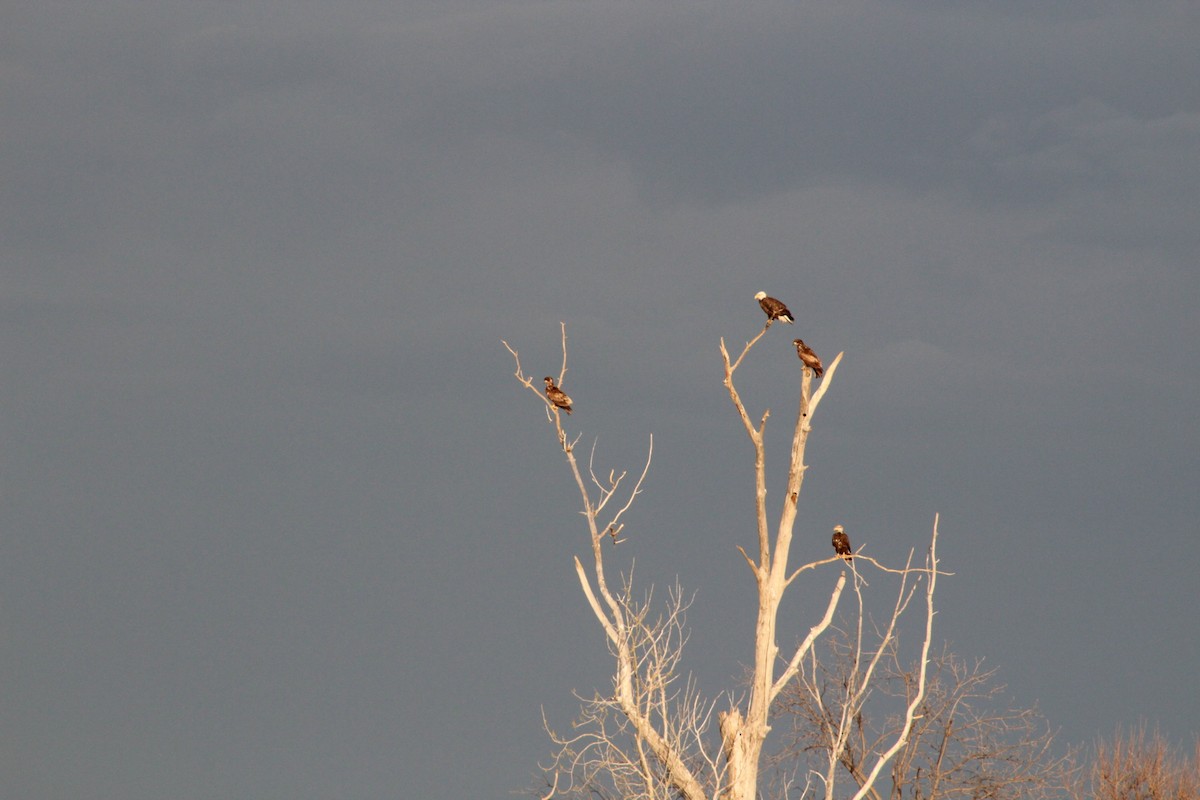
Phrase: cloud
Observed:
(1090, 146)
(258, 264)
(712, 104)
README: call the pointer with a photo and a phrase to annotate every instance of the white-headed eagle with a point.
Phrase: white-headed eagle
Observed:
(841, 543)
(809, 358)
(774, 309)
(557, 396)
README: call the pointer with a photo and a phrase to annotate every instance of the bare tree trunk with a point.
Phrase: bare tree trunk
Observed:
(744, 735)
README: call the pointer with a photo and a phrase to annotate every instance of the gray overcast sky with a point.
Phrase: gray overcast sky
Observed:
(277, 522)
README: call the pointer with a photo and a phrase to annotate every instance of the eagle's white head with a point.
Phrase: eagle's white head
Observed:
(760, 295)
(838, 529)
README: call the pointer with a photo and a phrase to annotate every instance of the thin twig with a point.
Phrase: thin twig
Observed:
(637, 487)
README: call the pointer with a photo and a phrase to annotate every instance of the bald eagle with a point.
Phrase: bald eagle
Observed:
(557, 396)
(841, 543)
(774, 309)
(809, 358)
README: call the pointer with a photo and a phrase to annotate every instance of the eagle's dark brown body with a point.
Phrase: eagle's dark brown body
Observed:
(809, 358)
(841, 543)
(774, 309)
(557, 396)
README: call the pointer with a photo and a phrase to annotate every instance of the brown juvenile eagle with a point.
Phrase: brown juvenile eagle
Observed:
(774, 309)
(557, 395)
(809, 358)
(841, 543)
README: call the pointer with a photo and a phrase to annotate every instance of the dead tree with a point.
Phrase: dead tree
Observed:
(653, 737)
(966, 742)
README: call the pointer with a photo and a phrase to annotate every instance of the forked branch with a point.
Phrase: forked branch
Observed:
(733, 367)
(661, 755)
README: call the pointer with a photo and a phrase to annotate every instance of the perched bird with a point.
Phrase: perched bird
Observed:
(557, 395)
(775, 309)
(809, 358)
(841, 543)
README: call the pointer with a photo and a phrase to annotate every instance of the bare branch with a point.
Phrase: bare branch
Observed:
(922, 669)
(527, 382)
(553, 789)
(737, 400)
(794, 664)
(552, 411)
(605, 622)
(746, 349)
(562, 373)
(750, 561)
(816, 398)
(637, 487)
(756, 439)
